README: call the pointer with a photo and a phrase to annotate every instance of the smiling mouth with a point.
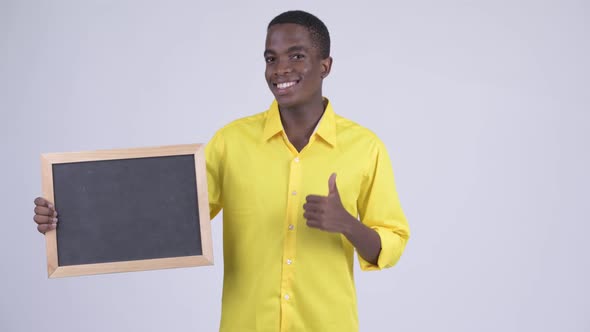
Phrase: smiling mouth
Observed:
(285, 85)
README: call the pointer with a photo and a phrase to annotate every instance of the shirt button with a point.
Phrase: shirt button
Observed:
(294, 193)
(291, 227)
(287, 297)
(289, 262)
(296, 159)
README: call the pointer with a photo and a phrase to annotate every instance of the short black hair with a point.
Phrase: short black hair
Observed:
(320, 36)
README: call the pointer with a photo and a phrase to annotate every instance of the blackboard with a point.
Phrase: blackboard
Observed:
(127, 210)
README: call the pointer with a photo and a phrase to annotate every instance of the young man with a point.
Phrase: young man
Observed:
(290, 225)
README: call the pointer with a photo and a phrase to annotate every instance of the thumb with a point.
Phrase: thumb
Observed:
(332, 188)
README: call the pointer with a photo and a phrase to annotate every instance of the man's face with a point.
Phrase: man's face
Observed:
(294, 68)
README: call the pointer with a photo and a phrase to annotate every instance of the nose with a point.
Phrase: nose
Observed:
(282, 67)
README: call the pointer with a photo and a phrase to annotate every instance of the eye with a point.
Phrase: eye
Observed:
(297, 56)
(269, 59)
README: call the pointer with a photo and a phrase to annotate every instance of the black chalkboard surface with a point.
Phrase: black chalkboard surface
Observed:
(127, 210)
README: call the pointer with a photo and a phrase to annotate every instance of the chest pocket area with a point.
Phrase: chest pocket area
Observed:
(253, 184)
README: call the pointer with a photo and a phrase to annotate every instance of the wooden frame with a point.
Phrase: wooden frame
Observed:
(49, 159)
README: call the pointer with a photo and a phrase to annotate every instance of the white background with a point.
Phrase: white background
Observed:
(483, 105)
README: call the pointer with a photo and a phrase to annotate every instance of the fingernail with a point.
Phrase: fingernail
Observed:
(55, 220)
(55, 213)
(50, 206)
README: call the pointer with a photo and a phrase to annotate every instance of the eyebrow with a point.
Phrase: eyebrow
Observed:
(296, 48)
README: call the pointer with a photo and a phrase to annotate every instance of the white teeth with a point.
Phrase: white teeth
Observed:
(285, 85)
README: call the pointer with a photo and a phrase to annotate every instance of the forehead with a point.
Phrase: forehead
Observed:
(282, 36)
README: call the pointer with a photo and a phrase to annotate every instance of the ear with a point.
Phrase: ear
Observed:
(326, 66)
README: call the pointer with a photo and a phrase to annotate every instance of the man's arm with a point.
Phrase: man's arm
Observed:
(381, 236)
(328, 214)
(214, 152)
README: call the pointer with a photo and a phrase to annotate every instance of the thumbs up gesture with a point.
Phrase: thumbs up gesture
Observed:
(327, 212)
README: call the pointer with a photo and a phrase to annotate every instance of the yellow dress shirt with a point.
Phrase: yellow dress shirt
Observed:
(280, 274)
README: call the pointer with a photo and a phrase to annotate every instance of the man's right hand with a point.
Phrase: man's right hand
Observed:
(45, 215)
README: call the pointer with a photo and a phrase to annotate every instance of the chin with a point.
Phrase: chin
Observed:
(286, 101)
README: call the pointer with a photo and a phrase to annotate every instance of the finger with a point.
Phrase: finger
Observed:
(313, 207)
(40, 201)
(312, 215)
(40, 210)
(315, 199)
(313, 223)
(39, 219)
(46, 228)
(332, 187)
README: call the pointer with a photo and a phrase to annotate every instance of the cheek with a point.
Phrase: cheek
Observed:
(306, 68)
(316, 68)
(267, 74)
(312, 76)
(308, 72)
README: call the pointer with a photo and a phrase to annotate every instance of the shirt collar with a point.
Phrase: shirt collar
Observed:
(326, 127)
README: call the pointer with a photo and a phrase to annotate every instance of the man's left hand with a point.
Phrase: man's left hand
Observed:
(327, 212)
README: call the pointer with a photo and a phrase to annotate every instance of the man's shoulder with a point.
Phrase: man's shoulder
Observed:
(255, 120)
(349, 129)
(251, 124)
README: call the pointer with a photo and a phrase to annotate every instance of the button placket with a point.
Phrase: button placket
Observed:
(289, 254)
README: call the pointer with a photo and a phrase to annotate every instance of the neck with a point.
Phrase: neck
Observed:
(303, 116)
(300, 121)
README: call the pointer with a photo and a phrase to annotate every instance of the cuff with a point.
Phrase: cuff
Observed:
(392, 246)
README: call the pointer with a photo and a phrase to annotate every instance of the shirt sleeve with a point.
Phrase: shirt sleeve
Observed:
(379, 208)
(214, 152)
